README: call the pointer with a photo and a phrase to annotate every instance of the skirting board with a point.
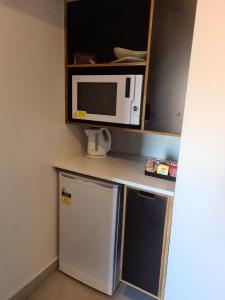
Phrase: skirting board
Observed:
(25, 291)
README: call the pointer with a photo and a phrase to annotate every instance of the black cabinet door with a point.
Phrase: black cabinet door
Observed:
(145, 216)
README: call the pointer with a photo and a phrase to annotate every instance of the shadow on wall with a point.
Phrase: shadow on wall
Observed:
(79, 135)
(50, 11)
(146, 145)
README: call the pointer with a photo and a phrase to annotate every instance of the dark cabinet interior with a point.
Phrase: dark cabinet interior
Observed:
(144, 240)
(97, 26)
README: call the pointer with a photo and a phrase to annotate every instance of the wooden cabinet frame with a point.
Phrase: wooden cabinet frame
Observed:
(145, 65)
(165, 82)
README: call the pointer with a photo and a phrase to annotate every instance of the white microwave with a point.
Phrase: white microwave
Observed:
(107, 98)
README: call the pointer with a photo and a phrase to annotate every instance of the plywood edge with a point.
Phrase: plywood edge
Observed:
(134, 130)
(165, 248)
(65, 62)
(69, 1)
(123, 231)
(108, 65)
(148, 64)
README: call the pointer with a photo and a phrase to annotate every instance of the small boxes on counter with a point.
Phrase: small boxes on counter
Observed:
(161, 168)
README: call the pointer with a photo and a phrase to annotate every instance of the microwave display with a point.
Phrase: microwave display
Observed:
(97, 98)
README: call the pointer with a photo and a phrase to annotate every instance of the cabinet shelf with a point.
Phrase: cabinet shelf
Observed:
(134, 130)
(108, 65)
(69, 1)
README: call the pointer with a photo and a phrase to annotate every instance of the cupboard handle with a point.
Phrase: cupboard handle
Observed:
(146, 195)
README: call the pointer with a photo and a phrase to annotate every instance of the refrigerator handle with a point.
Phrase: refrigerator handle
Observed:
(90, 181)
(67, 176)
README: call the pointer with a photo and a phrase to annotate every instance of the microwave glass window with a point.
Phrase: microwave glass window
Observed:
(97, 98)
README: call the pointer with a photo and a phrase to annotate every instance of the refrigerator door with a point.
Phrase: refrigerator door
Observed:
(87, 231)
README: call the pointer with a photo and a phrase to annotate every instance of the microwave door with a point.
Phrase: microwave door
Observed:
(102, 98)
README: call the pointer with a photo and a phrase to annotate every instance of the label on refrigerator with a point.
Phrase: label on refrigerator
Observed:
(66, 198)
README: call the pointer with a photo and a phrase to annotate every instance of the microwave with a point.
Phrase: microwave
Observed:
(107, 98)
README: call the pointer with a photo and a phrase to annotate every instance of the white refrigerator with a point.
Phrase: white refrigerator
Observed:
(89, 231)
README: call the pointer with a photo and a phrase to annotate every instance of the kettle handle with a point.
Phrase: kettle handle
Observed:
(107, 138)
(86, 131)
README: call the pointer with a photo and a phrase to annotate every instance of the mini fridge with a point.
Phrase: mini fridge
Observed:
(89, 230)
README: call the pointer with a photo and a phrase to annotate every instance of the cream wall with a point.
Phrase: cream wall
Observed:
(197, 251)
(32, 135)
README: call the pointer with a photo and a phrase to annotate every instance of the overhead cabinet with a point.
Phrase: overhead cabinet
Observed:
(163, 28)
(97, 26)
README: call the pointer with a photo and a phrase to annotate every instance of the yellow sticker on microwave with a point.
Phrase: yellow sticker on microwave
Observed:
(80, 114)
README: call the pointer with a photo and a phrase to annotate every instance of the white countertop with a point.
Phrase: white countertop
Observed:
(121, 170)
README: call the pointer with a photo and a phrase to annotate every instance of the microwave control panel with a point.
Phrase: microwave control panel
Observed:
(136, 105)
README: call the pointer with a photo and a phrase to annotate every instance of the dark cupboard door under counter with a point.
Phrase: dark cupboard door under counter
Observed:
(145, 241)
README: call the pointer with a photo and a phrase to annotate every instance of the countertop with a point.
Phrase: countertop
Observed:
(127, 171)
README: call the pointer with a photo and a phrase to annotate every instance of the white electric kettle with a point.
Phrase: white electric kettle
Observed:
(99, 142)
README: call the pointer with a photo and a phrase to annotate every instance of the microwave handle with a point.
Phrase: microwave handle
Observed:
(129, 87)
(137, 101)
(107, 138)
